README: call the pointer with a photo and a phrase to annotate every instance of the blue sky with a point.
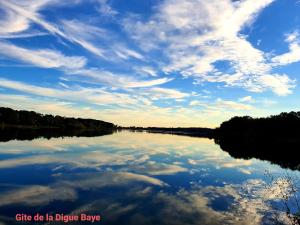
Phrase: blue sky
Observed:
(150, 62)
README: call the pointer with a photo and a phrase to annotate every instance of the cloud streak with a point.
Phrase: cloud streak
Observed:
(198, 34)
(46, 58)
(294, 51)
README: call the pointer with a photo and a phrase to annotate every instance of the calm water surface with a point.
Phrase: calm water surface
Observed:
(139, 178)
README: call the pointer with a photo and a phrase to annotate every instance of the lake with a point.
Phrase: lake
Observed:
(141, 178)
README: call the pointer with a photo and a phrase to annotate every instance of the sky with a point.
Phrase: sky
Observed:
(172, 63)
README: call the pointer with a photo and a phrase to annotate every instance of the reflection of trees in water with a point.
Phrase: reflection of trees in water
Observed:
(282, 193)
(275, 138)
(30, 134)
(27, 125)
(281, 153)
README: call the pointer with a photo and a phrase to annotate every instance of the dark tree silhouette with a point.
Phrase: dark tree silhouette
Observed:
(28, 125)
(275, 138)
(186, 131)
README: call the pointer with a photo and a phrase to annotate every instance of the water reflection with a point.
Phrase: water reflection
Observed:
(281, 152)
(137, 178)
(8, 134)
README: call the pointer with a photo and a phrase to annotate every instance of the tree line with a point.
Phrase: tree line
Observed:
(10, 118)
(282, 126)
(275, 138)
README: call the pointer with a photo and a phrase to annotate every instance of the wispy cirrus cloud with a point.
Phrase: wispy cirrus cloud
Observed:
(165, 93)
(221, 105)
(146, 70)
(74, 31)
(98, 41)
(198, 34)
(13, 22)
(83, 34)
(248, 98)
(74, 65)
(45, 58)
(117, 80)
(116, 58)
(28, 13)
(105, 9)
(95, 96)
(232, 105)
(22, 35)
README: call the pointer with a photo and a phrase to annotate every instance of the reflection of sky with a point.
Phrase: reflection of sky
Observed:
(139, 178)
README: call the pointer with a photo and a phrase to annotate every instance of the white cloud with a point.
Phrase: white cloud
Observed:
(233, 105)
(75, 65)
(126, 53)
(105, 9)
(143, 114)
(294, 51)
(27, 12)
(118, 80)
(95, 96)
(46, 58)
(224, 106)
(84, 34)
(291, 37)
(142, 70)
(92, 37)
(22, 35)
(247, 99)
(197, 103)
(197, 34)
(131, 100)
(280, 84)
(149, 83)
(74, 31)
(164, 93)
(12, 22)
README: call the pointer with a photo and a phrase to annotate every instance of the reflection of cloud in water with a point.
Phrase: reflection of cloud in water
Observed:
(65, 189)
(34, 160)
(111, 210)
(99, 180)
(86, 160)
(95, 160)
(154, 168)
(122, 148)
(133, 160)
(236, 163)
(98, 158)
(152, 143)
(245, 171)
(116, 210)
(247, 205)
(37, 195)
(195, 206)
(279, 189)
(224, 162)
